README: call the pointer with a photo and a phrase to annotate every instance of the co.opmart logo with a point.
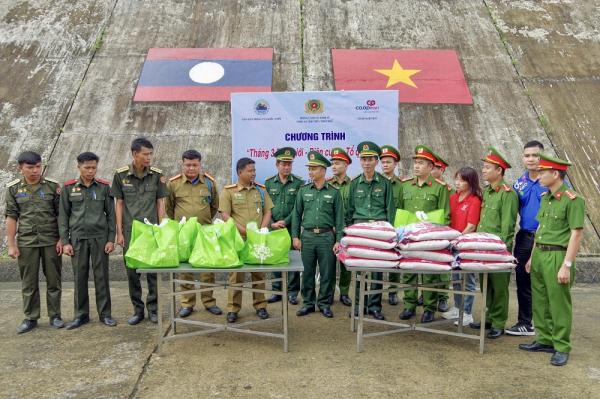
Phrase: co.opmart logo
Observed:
(369, 107)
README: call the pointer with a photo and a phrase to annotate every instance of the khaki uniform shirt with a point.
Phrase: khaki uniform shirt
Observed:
(188, 200)
(245, 204)
(559, 213)
(499, 212)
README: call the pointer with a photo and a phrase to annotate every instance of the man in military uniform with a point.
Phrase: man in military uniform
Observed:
(193, 194)
(32, 206)
(246, 201)
(320, 211)
(371, 198)
(283, 188)
(552, 268)
(139, 189)
(339, 165)
(87, 230)
(426, 194)
(498, 216)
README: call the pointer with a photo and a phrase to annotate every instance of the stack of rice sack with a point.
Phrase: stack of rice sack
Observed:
(424, 246)
(370, 244)
(481, 251)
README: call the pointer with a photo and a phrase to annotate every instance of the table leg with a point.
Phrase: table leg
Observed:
(483, 311)
(461, 313)
(361, 305)
(284, 307)
(173, 288)
(352, 321)
(160, 313)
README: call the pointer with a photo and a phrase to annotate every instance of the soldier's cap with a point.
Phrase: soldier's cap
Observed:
(440, 162)
(422, 151)
(339, 154)
(285, 154)
(315, 158)
(389, 151)
(493, 156)
(547, 162)
(369, 149)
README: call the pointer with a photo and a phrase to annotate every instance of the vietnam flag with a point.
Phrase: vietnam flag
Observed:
(204, 74)
(420, 76)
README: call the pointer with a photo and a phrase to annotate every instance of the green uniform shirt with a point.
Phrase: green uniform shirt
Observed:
(371, 199)
(188, 200)
(343, 187)
(283, 196)
(430, 196)
(450, 189)
(86, 212)
(245, 204)
(559, 214)
(397, 190)
(318, 209)
(35, 210)
(499, 212)
(139, 194)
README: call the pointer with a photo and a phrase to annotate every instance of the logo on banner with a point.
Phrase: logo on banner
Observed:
(261, 107)
(314, 106)
(370, 102)
(370, 106)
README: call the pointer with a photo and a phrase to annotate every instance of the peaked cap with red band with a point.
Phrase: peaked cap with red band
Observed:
(389, 151)
(440, 162)
(422, 151)
(493, 156)
(547, 162)
(339, 154)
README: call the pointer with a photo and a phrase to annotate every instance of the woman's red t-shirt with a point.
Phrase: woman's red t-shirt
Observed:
(466, 211)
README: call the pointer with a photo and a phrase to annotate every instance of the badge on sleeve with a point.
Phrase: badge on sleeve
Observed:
(58, 190)
(163, 179)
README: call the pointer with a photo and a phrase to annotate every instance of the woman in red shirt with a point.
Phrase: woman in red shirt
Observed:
(465, 210)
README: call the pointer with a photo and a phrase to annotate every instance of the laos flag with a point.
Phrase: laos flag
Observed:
(204, 74)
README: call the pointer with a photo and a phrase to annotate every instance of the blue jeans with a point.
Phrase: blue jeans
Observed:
(469, 286)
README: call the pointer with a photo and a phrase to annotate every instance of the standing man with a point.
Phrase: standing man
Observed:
(498, 216)
(320, 211)
(552, 269)
(87, 230)
(246, 201)
(339, 165)
(423, 193)
(371, 198)
(283, 188)
(32, 207)
(193, 194)
(139, 189)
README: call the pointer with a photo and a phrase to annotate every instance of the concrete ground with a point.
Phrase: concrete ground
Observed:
(102, 362)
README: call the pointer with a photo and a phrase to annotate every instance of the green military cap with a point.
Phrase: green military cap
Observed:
(369, 149)
(389, 151)
(422, 151)
(315, 158)
(547, 162)
(285, 154)
(493, 156)
(339, 154)
(440, 161)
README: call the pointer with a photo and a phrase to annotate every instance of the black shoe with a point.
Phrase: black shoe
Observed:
(274, 298)
(559, 359)
(231, 317)
(185, 312)
(214, 309)
(420, 301)
(135, 319)
(327, 312)
(305, 311)
(109, 321)
(78, 322)
(536, 347)
(495, 333)
(407, 314)
(153, 316)
(356, 313)
(262, 313)
(345, 300)
(26, 326)
(427, 317)
(377, 314)
(57, 322)
(443, 305)
(293, 300)
(477, 326)
(393, 299)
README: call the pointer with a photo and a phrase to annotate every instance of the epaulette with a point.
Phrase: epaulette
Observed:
(175, 177)
(259, 185)
(356, 177)
(403, 179)
(103, 182)
(449, 188)
(12, 183)
(51, 180)
(270, 177)
(234, 185)
(544, 193)
(73, 181)
(123, 169)
(299, 177)
(332, 186)
(506, 187)
(304, 185)
(385, 176)
(329, 178)
(443, 183)
(208, 176)
(570, 194)
(152, 168)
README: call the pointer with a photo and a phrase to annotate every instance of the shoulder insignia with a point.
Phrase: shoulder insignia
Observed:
(329, 178)
(270, 177)
(544, 193)
(403, 179)
(570, 194)
(332, 186)
(443, 183)
(259, 185)
(175, 177)
(51, 180)
(103, 182)
(123, 169)
(73, 181)
(449, 188)
(356, 177)
(208, 176)
(304, 185)
(299, 177)
(12, 183)
(234, 185)
(385, 176)
(152, 168)
(506, 187)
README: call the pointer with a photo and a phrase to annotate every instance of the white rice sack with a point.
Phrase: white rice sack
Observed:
(361, 262)
(483, 241)
(424, 265)
(479, 265)
(500, 255)
(436, 256)
(431, 245)
(358, 251)
(367, 242)
(424, 231)
(376, 230)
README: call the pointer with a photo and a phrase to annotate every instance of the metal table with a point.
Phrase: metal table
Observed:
(295, 265)
(403, 327)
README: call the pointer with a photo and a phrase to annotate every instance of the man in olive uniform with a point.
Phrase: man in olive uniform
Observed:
(246, 201)
(498, 216)
(340, 180)
(371, 198)
(426, 194)
(320, 212)
(283, 188)
(552, 269)
(193, 194)
(139, 189)
(32, 207)
(87, 230)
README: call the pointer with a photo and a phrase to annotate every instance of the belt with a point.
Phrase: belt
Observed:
(319, 231)
(528, 233)
(550, 247)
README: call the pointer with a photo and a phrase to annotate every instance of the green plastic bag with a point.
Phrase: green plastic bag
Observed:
(230, 231)
(404, 217)
(153, 247)
(187, 236)
(215, 247)
(271, 248)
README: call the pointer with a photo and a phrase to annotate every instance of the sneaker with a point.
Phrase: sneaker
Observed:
(467, 319)
(520, 329)
(451, 314)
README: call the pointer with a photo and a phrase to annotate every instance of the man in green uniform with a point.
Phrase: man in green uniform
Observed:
(551, 266)
(426, 194)
(320, 212)
(87, 230)
(371, 198)
(193, 194)
(139, 189)
(340, 180)
(283, 188)
(246, 201)
(32, 206)
(498, 216)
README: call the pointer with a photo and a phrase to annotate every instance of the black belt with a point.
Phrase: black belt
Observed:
(319, 231)
(368, 220)
(550, 247)
(528, 233)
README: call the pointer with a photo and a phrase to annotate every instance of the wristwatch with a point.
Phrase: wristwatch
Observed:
(568, 264)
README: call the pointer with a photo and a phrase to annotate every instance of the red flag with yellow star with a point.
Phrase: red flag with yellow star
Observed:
(420, 76)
